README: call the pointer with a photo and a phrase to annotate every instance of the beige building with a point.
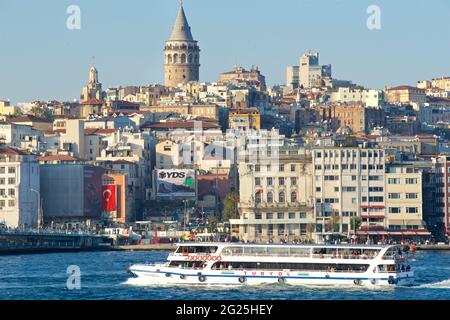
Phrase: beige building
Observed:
(6, 109)
(245, 119)
(181, 54)
(275, 199)
(186, 110)
(404, 197)
(405, 94)
(240, 75)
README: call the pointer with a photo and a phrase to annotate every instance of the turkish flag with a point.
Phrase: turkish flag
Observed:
(109, 198)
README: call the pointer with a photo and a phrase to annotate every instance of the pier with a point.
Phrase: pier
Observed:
(32, 242)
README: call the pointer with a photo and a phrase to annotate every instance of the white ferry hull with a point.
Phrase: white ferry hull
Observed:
(154, 275)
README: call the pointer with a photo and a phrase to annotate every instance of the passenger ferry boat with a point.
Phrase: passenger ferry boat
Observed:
(254, 264)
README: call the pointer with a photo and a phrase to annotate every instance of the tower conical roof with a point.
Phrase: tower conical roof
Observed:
(181, 29)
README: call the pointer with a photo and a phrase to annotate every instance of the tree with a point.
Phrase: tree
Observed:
(230, 206)
(333, 223)
(212, 223)
(42, 113)
(355, 223)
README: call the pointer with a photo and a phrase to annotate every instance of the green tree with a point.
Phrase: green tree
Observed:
(212, 223)
(230, 206)
(42, 113)
(355, 223)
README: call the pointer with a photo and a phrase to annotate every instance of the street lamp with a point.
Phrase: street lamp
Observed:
(39, 207)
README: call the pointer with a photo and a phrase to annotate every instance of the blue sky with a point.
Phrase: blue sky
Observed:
(41, 59)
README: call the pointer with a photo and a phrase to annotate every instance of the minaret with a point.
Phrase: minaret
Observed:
(181, 53)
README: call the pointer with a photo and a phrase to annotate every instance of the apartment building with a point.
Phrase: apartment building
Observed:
(19, 188)
(348, 182)
(275, 198)
(404, 210)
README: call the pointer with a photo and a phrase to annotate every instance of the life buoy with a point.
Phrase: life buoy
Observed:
(167, 275)
(392, 280)
(242, 279)
(357, 282)
(202, 278)
(182, 277)
(281, 280)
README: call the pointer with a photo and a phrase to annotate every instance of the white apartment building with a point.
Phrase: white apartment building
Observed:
(404, 197)
(275, 199)
(370, 97)
(19, 188)
(20, 136)
(348, 182)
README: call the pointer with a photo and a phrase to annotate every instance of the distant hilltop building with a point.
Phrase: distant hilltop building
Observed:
(240, 75)
(309, 74)
(181, 53)
(93, 90)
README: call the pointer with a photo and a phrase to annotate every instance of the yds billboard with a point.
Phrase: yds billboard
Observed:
(175, 183)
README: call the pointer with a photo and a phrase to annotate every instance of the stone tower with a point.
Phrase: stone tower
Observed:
(93, 90)
(181, 53)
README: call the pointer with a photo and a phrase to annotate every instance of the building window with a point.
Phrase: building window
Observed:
(282, 197)
(281, 167)
(11, 192)
(270, 230)
(258, 216)
(257, 181)
(411, 180)
(394, 196)
(293, 196)
(412, 196)
(395, 210)
(258, 230)
(269, 216)
(11, 203)
(11, 180)
(293, 167)
(2, 169)
(280, 215)
(291, 215)
(11, 170)
(269, 181)
(412, 210)
(393, 181)
(258, 197)
(281, 181)
(281, 229)
(269, 197)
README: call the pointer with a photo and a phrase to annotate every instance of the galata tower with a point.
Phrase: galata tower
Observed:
(181, 53)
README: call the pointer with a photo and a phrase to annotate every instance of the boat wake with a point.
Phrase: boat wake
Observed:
(437, 285)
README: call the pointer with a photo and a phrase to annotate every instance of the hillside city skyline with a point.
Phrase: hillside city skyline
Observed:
(121, 67)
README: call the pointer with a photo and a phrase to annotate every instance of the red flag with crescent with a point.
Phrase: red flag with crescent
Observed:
(109, 198)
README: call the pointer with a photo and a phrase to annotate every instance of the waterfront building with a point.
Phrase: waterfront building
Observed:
(275, 199)
(19, 188)
(404, 210)
(348, 182)
(71, 192)
(181, 53)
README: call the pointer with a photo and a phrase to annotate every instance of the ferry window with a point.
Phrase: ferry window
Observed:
(258, 250)
(300, 252)
(279, 252)
(233, 251)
